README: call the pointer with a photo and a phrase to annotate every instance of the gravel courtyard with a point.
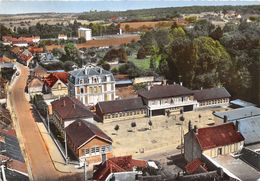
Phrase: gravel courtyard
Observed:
(165, 132)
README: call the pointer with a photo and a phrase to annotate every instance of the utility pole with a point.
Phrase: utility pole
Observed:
(48, 120)
(85, 170)
(66, 149)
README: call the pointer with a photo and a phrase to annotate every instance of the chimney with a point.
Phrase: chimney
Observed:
(64, 103)
(174, 83)
(201, 88)
(236, 125)
(74, 106)
(181, 83)
(195, 129)
(225, 118)
(149, 87)
(79, 123)
(164, 82)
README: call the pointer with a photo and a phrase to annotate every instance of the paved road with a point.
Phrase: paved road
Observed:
(38, 159)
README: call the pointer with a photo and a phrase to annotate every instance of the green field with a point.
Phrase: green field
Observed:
(143, 64)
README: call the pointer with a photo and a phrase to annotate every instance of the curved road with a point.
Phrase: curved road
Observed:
(38, 161)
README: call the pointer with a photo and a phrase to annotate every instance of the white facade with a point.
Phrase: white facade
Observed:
(91, 85)
(85, 33)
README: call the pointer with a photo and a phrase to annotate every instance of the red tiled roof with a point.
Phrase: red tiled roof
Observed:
(24, 57)
(36, 50)
(195, 166)
(117, 164)
(221, 135)
(69, 108)
(81, 132)
(54, 77)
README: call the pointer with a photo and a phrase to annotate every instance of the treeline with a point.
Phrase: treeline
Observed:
(52, 31)
(165, 13)
(208, 56)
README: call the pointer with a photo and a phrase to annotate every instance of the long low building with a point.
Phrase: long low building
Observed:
(108, 111)
(173, 98)
(212, 97)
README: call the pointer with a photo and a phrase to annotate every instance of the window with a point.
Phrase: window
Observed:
(93, 151)
(219, 151)
(103, 149)
(87, 152)
(97, 150)
(81, 90)
(59, 86)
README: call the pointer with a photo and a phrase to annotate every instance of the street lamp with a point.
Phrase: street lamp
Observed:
(66, 149)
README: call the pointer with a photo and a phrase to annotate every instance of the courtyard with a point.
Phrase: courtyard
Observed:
(164, 134)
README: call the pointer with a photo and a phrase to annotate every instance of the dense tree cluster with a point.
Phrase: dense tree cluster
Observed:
(164, 13)
(209, 56)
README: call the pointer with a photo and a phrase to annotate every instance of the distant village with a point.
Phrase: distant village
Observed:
(115, 127)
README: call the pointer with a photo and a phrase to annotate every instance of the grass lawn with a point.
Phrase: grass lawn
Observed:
(143, 64)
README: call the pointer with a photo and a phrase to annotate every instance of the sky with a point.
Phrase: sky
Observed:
(76, 6)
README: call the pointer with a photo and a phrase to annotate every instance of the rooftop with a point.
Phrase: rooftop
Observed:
(81, 132)
(250, 129)
(121, 105)
(70, 108)
(241, 103)
(82, 75)
(237, 167)
(239, 113)
(54, 77)
(215, 136)
(117, 164)
(35, 83)
(165, 91)
(209, 94)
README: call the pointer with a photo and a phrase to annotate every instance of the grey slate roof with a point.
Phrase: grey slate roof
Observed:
(240, 113)
(89, 71)
(210, 94)
(250, 129)
(121, 105)
(165, 91)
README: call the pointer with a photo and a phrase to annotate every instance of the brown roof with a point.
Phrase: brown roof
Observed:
(210, 94)
(121, 105)
(70, 108)
(35, 83)
(81, 132)
(164, 91)
(221, 135)
(117, 164)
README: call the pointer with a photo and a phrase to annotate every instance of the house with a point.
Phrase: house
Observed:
(15, 51)
(212, 97)
(35, 86)
(25, 57)
(36, 50)
(119, 168)
(212, 141)
(88, 142)
(236, 114)
(47, 58)
(40, 72)
(132, 108)
(56, 84)
(66, 110)
(62, 37)
(91, 84)
(85, 33)
(162, 98)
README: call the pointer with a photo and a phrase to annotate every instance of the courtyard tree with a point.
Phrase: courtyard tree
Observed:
(133, 125)
(116, 128)
(199, 117)
(150, 123)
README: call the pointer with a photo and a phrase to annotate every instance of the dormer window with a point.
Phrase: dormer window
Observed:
(81, 81)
